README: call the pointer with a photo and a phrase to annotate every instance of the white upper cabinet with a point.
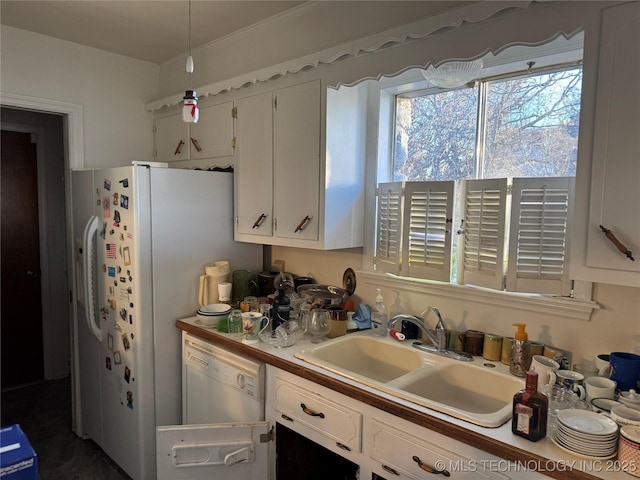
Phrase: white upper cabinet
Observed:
(615, 171)
(211, 137)
(297, 166)
(254, 166)
(300, 167)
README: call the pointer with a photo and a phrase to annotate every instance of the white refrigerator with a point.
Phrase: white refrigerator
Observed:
(142, 236)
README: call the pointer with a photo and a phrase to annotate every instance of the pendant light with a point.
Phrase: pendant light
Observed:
(190, 112)
(453, 74)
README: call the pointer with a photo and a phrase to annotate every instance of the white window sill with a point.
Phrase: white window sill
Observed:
(557, 306)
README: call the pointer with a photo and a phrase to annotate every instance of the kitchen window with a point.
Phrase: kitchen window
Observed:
(483, 179)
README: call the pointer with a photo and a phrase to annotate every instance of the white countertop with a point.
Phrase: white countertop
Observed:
(546, 448)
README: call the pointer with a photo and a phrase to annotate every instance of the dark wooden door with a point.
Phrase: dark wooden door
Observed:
(22, 345)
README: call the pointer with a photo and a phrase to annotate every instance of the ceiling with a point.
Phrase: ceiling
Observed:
(151, 30)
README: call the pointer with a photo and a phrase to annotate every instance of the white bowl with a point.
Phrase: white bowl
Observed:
(624, 415)
(211, 314)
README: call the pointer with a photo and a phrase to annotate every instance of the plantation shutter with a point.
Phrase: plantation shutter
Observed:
(538, 241)
(482, 247)
(426, 226)
(388, 227)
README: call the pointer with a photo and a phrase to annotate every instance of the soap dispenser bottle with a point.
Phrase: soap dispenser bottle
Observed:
(520, 352)
(379, 317)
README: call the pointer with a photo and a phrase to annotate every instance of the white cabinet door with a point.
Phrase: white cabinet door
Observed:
(212, 136)
(233, 451)
(172, 138)
(615, 175)
(254, 165)
(297, 161)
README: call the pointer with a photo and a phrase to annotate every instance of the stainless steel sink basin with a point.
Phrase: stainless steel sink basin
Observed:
(468, 391)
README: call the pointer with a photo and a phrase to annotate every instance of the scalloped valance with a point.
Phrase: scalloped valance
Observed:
(398, 36)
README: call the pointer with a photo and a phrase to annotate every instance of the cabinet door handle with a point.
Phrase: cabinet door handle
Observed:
(179, 147)
(311, 412)
(302, 224)
(390, 470)
(617, 243)
(429, 468)
(258, 222)
(196, 145)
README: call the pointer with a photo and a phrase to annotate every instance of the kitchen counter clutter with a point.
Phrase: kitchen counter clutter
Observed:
(507, 455)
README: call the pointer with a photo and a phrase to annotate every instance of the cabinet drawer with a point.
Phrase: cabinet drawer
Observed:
(397, 451)
(329, 418)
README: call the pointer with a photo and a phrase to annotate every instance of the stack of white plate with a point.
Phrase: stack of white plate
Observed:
(586, 434)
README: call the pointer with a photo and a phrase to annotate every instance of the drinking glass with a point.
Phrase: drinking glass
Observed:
(319, 324)
(235, 323)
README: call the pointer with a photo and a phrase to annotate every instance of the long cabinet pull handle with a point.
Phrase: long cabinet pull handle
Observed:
(179, 147)
(311, 412)
(429, 468)
(196, 145)
(302, 224)
(617, 243)
(258, 222)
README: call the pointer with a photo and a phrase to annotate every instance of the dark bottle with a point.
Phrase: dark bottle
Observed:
(530, 410)
(281, 307)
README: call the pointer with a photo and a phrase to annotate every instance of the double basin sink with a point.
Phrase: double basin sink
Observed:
(477, 392)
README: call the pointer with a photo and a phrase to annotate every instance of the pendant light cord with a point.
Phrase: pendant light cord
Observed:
(190, 42)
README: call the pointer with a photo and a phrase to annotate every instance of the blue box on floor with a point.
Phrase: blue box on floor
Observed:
(18, 459)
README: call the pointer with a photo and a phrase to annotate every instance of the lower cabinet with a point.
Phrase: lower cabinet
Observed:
(319, 430)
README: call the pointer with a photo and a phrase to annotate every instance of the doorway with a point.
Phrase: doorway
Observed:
(35, 307)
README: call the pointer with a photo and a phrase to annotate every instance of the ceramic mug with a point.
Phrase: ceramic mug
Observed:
(251, 322)
(599, 387)
(546, 369)
(472, 341)
(572, 381)
(507, 346)
(602, 364)
(454, 342)
(625, 370)
(492, 348)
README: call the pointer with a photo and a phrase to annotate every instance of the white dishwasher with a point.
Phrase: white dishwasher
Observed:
(224, 435)
(220, 386)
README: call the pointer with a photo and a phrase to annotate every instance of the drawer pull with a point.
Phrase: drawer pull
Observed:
(390, 470)
(429, 468)
(287, 418)
(343, 446)
(311, 412)
(612, 238)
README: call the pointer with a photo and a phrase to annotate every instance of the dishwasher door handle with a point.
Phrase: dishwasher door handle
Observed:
(211, 454)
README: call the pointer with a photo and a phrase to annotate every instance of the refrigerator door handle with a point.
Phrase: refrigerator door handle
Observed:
(90, 231)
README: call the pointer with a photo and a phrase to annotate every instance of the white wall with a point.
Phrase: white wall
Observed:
(111, 88)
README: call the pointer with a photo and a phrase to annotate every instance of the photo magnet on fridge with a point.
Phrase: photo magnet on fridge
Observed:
(107, 184)
(106, 207)
(127, 374)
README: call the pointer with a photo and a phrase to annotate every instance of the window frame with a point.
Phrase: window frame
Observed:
(577, 305)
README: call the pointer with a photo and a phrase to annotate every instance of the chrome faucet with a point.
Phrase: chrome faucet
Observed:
(439, 340)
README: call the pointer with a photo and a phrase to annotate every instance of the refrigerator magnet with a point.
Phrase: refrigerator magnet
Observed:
(130, 399)
(107, 184)
(112, 272)
(106, 207)
(124, 182)
(112, 250)
(116, 218)
(123, 316)
(110, 342)
(124, 201)
(125, 342)
(103, 230)
(126, 256)
(127, 374)
(117, 357)
(115, 199)
(108, 363)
